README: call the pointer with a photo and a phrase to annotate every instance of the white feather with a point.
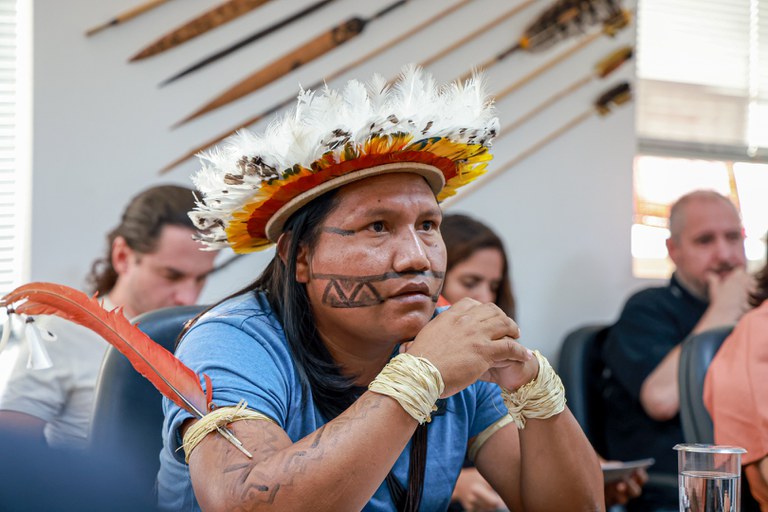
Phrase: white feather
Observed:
(322, 120)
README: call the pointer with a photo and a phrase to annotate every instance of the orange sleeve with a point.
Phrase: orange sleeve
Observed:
(735, 390)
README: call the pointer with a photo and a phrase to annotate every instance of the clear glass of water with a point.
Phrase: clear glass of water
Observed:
(709, 477)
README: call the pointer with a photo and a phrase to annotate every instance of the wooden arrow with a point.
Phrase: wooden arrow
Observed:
(603, 68)
(564, 19)
(615, 96)
(322, 44)
(222, 13)
(610, 28)
(125, 16)
(246, 41)
(292, 99)
(473, 35)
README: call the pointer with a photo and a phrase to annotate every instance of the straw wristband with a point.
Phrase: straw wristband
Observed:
(541, 398)
(414, 382)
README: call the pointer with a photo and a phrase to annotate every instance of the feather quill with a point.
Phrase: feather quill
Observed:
(169, 375)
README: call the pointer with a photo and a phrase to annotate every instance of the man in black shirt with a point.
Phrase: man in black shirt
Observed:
(710, 288)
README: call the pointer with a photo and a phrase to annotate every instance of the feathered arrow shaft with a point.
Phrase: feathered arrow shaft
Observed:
(362, 59)
(169, 375)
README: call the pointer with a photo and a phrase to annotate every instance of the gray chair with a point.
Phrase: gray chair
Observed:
(580, 367)
(128, 415)
(696, 354)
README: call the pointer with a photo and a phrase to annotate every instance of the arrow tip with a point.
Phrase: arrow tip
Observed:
(175, 77)
(135, 58)
(98, 28)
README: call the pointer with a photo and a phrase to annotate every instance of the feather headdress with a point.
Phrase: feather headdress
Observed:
(253, 183)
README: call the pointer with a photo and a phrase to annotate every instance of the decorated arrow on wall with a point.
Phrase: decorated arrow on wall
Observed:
(322, 44)
(223, 13)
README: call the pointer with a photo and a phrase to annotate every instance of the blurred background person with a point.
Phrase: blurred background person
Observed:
(709, 288)
(477, 264)
(151, 262)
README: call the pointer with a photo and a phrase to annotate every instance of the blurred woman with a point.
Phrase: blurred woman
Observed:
(477, 264)
(477, 268)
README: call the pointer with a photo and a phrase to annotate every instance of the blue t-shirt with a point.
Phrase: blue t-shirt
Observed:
(241, 346)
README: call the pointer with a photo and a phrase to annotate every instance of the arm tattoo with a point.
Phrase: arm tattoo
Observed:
(257, 485)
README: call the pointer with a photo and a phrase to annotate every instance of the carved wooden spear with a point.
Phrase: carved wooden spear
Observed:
(292, 99)
(322, 44)
(615, 96)
(222, 13)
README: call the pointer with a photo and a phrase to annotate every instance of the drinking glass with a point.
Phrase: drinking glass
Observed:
(709, 477)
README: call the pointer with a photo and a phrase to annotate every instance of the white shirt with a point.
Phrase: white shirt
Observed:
(63, 395)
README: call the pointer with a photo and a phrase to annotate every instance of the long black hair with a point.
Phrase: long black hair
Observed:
(332, 391)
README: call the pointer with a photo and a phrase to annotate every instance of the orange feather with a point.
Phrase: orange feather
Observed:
(169, 375)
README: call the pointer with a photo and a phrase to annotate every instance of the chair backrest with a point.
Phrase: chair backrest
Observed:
(128, 416)
(696, 354)
(581, 368)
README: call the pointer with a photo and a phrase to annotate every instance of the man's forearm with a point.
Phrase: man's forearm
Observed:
(566, 474)
(660, 393)
(550, 459)
(337, 467)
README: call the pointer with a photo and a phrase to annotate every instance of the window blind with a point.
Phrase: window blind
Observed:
(12, 216)
(702, 69)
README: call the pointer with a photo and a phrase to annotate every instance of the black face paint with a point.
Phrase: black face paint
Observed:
(339, 231)
(345, 291)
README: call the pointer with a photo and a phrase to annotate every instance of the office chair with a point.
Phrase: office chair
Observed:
(580, 368)
(696, 354)
(128, 415)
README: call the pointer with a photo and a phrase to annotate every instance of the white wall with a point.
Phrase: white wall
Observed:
(101, 132)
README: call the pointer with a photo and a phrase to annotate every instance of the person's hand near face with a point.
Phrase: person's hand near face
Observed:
(729, 295)
(470, 341)
(375, 275)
